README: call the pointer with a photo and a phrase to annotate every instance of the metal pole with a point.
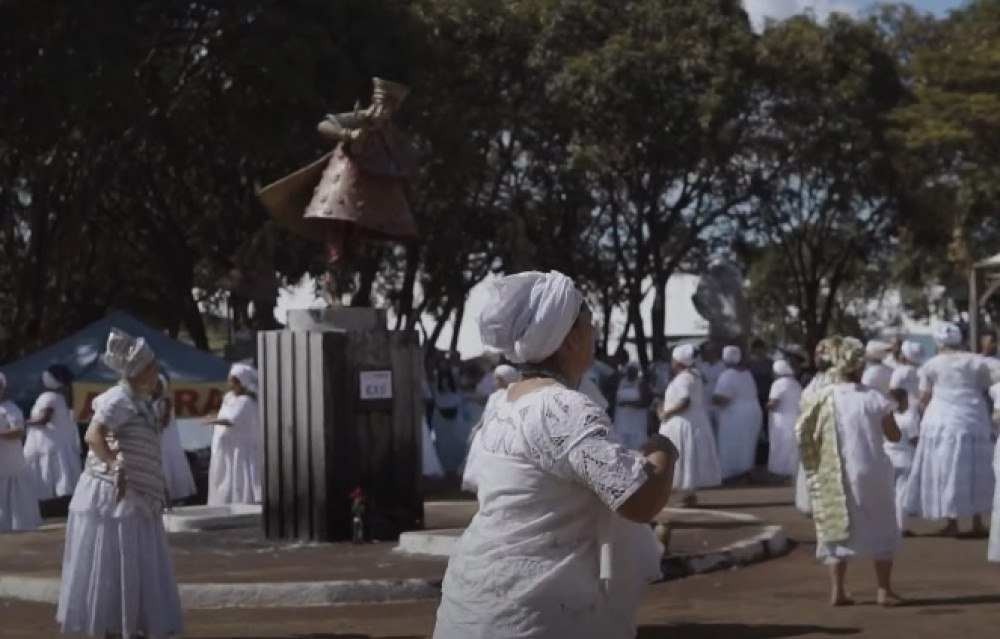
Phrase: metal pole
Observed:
(974, 310)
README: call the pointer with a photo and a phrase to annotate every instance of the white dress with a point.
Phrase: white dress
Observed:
(803, 501)
(868, 475)
(234, 475)
(52, 451)
(905, 378)
(877, 377)
(739, 422)
(691, 432)
(18, 501)
(631, 423)
(549, 474)
(783, 457)
(117, 573)
(176, 468)
(952, 473)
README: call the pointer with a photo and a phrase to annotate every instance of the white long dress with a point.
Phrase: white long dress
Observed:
(52, 451)
(631, 423)
(234, 475)
(739, 422)
(803, 501)
(18, 502)
(691, 432)
(176, 468)
(783, 457)
(549, 474)
(117, 573)
(868, 476)
(952, 473)
(905, 378)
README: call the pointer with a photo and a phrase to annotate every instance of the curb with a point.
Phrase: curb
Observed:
(770, 543)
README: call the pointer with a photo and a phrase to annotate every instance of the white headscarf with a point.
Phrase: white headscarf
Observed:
(50, 382)
(507, 373)
(732, 355)
(912, 351)
(529, 315)
(684, 355)
(948, 334)
(246, 375)
(127, 355)
(782, 368)
(876, 349)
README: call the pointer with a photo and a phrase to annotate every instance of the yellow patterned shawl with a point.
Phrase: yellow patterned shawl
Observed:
(816, 431)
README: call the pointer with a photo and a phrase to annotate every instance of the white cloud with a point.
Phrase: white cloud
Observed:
(760, 10)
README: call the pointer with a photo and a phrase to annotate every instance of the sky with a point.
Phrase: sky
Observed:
(760, 9)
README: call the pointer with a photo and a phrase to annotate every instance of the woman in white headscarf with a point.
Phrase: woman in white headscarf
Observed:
(176, 469)
(685, 422)
(117, 574)
(632, 408)
(905, 381)
(52, 445)
(952, 473)
(18, 501)
(738, 413)
(877, 373)
(234, 475)
(783, 403)
(554, 550)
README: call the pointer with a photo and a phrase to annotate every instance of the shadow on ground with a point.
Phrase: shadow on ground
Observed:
(738, 631)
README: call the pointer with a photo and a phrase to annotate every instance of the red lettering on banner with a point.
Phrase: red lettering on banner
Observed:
(186, 403)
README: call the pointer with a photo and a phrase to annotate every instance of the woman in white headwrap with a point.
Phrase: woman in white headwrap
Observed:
(18, 501)
(877, 373)
(783, 403)
(738, 413)
(176, 469)
(905, 381)
(685, 422)
(52, 445)
(117, 574)
(632, 408)
(952, 473)
(234, 475)
(554, 550)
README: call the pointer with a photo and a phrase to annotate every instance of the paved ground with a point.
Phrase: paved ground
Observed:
(954, 593)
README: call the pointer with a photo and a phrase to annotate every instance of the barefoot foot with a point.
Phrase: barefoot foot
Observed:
(888, 598)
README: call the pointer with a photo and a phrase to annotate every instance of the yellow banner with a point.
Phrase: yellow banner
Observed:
(191, 399)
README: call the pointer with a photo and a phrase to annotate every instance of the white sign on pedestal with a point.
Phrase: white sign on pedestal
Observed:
(376, 385)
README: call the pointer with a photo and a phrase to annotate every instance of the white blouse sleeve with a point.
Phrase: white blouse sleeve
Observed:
(726, 386)
(112, 409)
(46, 401)
(778, 389)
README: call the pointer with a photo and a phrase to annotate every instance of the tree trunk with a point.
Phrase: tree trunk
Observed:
(635, 315)
(659, 317)
(404, 307)
(194, 322)
(459, 317)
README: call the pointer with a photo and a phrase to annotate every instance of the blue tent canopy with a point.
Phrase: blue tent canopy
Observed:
(81, 351)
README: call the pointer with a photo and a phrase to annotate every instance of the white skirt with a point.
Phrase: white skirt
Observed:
(739, 429)
(698, 462)
(233, 473)
(18, 504)
(54, 473)
(176, 469)
(117, 574)
(783, 457)
(952, 476)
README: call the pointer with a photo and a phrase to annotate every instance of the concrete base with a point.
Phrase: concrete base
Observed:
(201, 518)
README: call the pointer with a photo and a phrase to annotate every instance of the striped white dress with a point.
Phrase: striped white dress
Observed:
(117, 574)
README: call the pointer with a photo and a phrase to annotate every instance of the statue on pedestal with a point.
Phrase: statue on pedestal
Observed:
(355, 194)
(720, 300)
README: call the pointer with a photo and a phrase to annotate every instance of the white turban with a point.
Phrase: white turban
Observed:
(782, 368)
(246, 375)
(732, 355)
(507, 373)
(684, 354)
(948, 334)
(529, 315)
(912, 351)
(876, 348)
(127, 355)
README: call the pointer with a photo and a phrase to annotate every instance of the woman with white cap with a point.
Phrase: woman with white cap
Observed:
(52, 444)
(783, 403)
(117, 574)
(952, 473)
(877, 374)
(554, 549)
(632, 408)
(905, 381)
(684, 421)
(18, 501)
(234, 475)
(176, 469)
(738, 414)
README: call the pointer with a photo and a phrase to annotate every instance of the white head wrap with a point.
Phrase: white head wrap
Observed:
(732, 355)
(529, 315)
(912, 351)
(50, 382)
(876, 349)
(948, 334)
(684, 354)
(127, 355)
(246, 375)
(782, 368)
(507, 373)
